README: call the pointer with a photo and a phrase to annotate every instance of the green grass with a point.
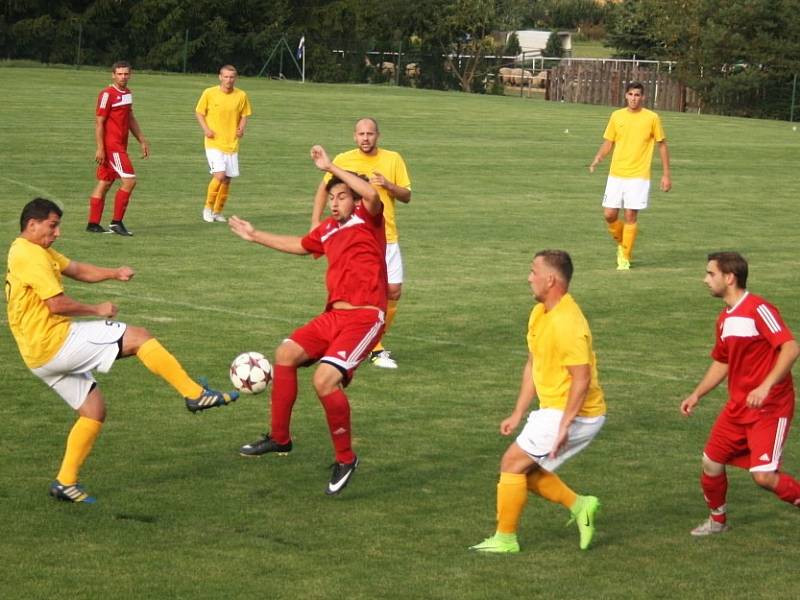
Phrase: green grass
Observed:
(181, 515)
(590, 49)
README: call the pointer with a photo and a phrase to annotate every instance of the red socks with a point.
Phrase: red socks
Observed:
(788, 489)
(96, 206)
(337, 411)
(284, 393)
(715, 489)
(121, 200)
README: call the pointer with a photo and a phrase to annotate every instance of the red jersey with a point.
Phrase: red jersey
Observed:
(748, 339)
(116, 106)
(356, 251)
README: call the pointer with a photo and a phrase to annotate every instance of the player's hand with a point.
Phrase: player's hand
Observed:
(241, 228)
(561, 439)
(239, 132)
(320, 158)
(666, 183)
(107, 310)
(509, 425)
(145, 148)
(99, 156)
(378, 179)
(688, 404)
(124, 274)
(208, 133)
(756, 398)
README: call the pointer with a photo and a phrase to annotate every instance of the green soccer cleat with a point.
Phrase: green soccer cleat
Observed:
(623, 264)
(499, 543)
(585, 509)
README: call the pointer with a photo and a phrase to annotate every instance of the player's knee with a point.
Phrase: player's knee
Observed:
(712, 468)
(765, 480)
(128, 184)
(133, 339)
(94, 407)
(326, 380)
(288, 354)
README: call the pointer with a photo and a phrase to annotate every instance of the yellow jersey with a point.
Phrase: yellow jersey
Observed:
(634, 135)
(223, 111)
(34, 275)
(558, 339)
(387, 163)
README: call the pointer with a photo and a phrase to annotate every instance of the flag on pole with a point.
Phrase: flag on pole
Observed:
(301, 47)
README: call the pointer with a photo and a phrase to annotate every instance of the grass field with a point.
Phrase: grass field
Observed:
(181, 515)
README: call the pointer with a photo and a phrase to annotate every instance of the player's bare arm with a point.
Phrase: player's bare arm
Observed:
(787, 355)
(99, 133)
(369, 195)
(397, 192)
(606, 147)
(89, 273)
(201, 119)
(289, 244)
(137, 133)
(527, 392)
(68, 307)
(666, 179)
(242, 126)
(320, 198)
(581, 377)
(715, 375)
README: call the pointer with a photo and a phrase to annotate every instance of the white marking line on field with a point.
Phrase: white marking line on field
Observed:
(40, 191)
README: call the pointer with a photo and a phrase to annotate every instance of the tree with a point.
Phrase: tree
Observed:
(554, 47)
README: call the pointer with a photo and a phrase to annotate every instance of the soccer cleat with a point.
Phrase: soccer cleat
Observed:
(209, 399)
(96, 228)
(340, 476)
(583, 516)
(623, 264)
(119, 228)
(383, 359)
(70, 493)
(709, 527)
(208, 215)
(265, 444)
(218, 218)
(499, 543)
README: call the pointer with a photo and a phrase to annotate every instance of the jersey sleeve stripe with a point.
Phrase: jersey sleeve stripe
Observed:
(103, 100)
(769, 318)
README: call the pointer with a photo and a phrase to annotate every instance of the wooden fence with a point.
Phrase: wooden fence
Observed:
(603, 82)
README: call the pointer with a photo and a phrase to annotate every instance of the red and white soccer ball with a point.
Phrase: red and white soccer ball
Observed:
(250, 372)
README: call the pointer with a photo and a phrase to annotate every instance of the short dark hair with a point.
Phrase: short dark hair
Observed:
(120, 64)
(336, 181)
(731, 263)
(635, 85)
(558, 260)
(38, 209)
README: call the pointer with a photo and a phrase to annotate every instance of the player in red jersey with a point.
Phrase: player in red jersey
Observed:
(342, 336)
(113, 119)
(755, 351)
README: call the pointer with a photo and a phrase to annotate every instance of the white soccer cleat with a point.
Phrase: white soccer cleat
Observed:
(383, 359)
(218, 218)
(709, 527)
(208, 215)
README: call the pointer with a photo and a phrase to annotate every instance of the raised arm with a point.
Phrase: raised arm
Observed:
(89, 273)
(68, 307)
(369, 195)
(320, 198)
(289, 244)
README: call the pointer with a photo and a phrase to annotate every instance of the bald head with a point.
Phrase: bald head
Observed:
(366, 134)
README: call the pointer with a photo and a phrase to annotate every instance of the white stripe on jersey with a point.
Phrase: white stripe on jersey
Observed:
(777, 448)
(769, 318)
(124, 100)
(103, 100)
(354, 220)
(743, 327)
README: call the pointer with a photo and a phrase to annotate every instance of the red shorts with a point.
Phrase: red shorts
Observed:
(342, 338)
(116, 165)
(755, 446)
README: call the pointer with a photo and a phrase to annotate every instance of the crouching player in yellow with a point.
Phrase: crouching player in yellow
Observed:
(561, 370)
(63, 353)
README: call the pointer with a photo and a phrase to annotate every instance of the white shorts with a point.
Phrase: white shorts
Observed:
(90, 346)
(219, 161)
(394, 263)
(539, 435)
(626, 193)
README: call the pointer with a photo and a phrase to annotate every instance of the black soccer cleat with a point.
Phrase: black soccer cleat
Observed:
(96, 228)
(340, 476)
(119, 228)
(209, 399)
(265, 444)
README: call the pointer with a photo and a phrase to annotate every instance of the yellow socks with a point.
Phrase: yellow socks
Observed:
(222, 197)
(550, 487)
(615, 229)
(156, 358)
(213, 192)
(79, 444)
(512, 495)
(629, 233)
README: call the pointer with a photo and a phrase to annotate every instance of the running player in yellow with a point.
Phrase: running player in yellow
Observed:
(387, 172)
(63, 353)
(632, 133)
(562, 372)
(222, 113)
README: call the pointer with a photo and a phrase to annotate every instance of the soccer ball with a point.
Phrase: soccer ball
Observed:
(250, 372)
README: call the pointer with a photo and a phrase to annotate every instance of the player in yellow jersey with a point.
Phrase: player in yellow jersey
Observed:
(387, 172)
(632, 133)
(562, 372)
(222, 112)
(63, 353)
